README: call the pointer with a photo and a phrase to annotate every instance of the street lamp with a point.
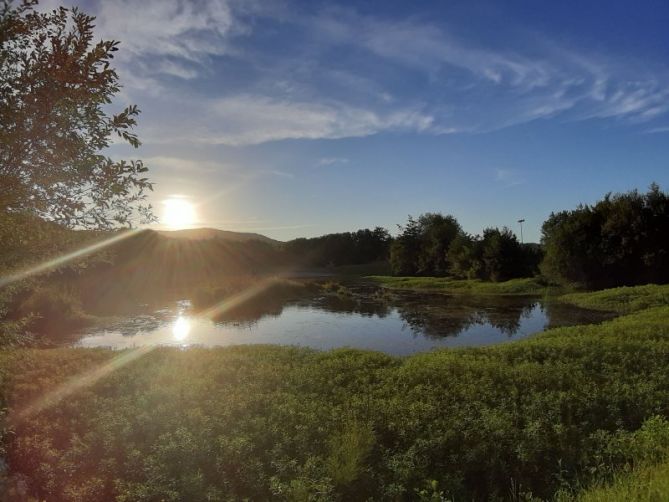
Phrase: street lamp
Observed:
(521, 221)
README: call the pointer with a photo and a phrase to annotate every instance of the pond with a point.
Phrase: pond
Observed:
(362, 316)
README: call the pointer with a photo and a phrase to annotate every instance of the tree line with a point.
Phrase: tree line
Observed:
(620, 240)
(436, 245)
(346, 248)
(623, 239)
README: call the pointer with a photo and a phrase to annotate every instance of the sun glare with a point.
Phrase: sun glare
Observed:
(181, 329)
(178, 213)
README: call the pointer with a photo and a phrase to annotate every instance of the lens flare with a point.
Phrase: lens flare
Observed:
(77, 383)
(66, 258)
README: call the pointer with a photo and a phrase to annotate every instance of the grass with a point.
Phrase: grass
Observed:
(646, 484)
(269, 422)
(524, 286)
(622, 300)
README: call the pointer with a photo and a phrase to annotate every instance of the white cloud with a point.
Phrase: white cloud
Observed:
(187, 29)
(249, 120)
(465, 86)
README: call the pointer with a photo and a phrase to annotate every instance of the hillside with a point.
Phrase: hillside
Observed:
(152, 265)
(197, 234)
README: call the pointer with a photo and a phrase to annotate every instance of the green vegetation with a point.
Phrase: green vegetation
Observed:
(645, 475)
(436, 245)
(275, 422)
(576, 407)
(619, 241)
(645, 484)
(336, 250)
(623, 299)
(524, 286)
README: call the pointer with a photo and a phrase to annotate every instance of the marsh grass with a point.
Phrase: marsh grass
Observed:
(524, 286)
(623, 299)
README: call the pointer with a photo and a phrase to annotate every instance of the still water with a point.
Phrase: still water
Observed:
(365, 317)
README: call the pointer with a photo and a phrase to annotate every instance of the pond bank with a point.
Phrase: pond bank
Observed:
(525, 286)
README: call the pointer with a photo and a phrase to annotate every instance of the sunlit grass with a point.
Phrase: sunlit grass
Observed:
(646, 484)
(624, 299)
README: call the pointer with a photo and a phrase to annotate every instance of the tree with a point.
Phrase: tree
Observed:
(55, 88)
(405, 249)
(347, 248)
(465, 257)
(501, 254)
(422, 245)
(621, 240)
(437, 233)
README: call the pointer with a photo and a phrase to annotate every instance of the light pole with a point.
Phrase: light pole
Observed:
(521, 229)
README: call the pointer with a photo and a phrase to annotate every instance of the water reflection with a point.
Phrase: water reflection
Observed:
(362, 316)
(181, 328)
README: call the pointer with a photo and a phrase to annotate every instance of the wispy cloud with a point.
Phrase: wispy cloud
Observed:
(458, 84)
(657, 130)
(329, 161)
(509, 177)
(191, 30)
(280, 174)
(509, 86)
(249, 120)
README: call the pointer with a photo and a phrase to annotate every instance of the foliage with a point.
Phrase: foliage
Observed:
(420, 248)
(621, 240)
(496, 255)
(286, 423)
(347, 248)
(436, 245)
(624, 299)
(55, 87)
(644, 475)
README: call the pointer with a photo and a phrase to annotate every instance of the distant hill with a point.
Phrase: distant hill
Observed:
(153, 265)
(199, 234)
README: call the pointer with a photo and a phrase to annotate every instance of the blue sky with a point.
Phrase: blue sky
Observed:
(303, 118)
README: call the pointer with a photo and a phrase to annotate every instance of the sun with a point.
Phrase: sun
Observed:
(178, 213)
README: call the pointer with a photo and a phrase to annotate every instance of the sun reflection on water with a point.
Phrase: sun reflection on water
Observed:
(181, 329)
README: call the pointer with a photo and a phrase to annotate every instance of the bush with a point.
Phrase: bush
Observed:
(52, 311)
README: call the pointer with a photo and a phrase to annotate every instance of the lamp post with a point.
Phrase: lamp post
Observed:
(521, 221)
